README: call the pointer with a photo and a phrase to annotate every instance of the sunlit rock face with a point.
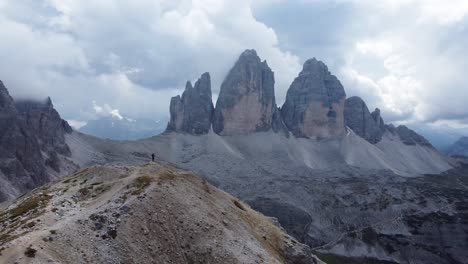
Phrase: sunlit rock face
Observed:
(315, 103)
(246, 101)
(192, 113)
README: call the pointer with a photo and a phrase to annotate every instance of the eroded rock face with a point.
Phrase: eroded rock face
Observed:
(192, 113)
(246, 101)
(32, 139)
(315, 103)
(362, 122)
(46, 124)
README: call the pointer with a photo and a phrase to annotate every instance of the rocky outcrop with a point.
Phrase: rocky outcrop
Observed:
(32, 142)
(315, 103)
(362, 122)
(246, 101)
(192, 113)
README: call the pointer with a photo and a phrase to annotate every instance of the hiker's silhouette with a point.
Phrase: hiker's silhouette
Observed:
(152, 157)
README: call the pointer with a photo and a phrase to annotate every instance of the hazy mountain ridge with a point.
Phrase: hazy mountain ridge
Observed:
(124, 128)
(460, 147)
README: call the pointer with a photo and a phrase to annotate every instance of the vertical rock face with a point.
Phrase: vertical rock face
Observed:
(362, 122)
(246, 101)
(192, 113)
(315, 103)
(46, 124)
(378, 119)
(32, 139)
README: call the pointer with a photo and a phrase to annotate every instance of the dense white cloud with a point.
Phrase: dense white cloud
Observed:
(406, 57)
(131, 55)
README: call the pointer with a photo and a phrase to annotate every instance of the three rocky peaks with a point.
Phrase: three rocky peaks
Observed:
(316, 106)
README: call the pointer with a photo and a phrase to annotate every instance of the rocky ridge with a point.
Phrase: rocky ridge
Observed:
(372, 127)
(145, 214)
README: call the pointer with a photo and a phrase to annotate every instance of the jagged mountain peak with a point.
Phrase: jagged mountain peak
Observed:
(192, 112)
(6, 101)
(246, 101)
(249, 53)
(365, 124)
(315, 103)
(314, 66)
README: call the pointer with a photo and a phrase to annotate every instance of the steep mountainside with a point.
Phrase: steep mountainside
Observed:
(32, 145)
(459, 148)
(149, 214)
(336, 208)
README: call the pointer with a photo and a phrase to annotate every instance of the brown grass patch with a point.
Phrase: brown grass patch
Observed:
(32, 203)
(141, 183)
(239, 205)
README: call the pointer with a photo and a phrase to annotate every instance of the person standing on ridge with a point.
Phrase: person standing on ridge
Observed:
(152, 157)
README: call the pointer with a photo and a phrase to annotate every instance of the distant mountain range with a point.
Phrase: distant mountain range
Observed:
(460, 147)
(122, 128)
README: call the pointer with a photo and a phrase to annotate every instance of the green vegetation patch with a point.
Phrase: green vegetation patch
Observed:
(141, 183)
(30, 204)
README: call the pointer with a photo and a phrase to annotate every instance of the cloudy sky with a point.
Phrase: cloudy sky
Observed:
(108, 57)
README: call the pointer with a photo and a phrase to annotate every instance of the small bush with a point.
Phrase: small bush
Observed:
(83, 191)
(67, 181)
(53, 232)
(29, 204)
(238, 205)
(30, 224)
(30, 252)
(141, 183)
